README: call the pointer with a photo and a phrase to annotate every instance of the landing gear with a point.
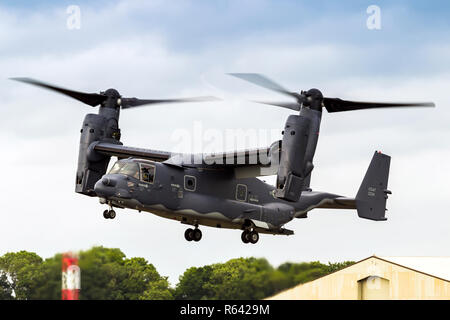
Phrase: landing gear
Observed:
(244, 237)
(109, 214)
(250, 236)
(197, 235)
(253, 236)
(193, 234)
(189, 234)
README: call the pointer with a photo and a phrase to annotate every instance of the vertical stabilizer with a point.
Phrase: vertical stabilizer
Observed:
(373, 193)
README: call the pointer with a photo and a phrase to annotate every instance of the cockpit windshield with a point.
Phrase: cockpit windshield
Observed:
(127, 168)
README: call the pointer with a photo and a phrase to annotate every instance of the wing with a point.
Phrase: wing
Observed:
(246, 163)
(251, 157)
(121, 151)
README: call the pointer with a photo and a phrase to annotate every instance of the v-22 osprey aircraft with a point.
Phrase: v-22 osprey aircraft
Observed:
(221, 190)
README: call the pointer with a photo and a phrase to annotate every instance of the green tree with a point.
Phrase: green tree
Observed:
(302, 272)
(142, 281)
(100, 269)
(24, 270)
(158, 290)
(297, 273)
(6, 290)
(107, 274)
(277, 282)
(242, 278)
(49, 283)
(191, 284)
(333, 267)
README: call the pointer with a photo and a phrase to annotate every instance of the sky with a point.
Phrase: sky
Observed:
(163, 49)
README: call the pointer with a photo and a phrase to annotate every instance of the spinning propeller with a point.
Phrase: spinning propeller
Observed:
(110, 97)
(314, 99)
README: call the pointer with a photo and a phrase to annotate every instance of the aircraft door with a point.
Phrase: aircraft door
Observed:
(176, 194)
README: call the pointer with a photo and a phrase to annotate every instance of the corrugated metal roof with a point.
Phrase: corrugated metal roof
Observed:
(435, 266)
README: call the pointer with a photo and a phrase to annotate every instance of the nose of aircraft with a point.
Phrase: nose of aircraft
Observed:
(112, 186)
(108, 181)
(105, 187)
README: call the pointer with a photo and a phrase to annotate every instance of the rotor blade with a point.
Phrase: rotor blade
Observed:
(264, 82)
(338, 105)
(288, 105)
(135, 102)
(92, 99)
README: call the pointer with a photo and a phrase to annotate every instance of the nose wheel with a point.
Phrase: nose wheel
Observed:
(250, 236)
(109, 214)
(193, 234)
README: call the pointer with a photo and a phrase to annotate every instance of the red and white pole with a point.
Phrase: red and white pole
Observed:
(70, 277)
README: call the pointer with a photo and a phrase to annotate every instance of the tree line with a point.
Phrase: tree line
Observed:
(107, 274)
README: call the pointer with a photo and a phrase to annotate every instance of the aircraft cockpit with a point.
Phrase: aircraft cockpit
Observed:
(143, 171)
(126, 168)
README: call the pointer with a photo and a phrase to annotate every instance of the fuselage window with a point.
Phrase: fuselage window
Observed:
(241, 192)
(147, 172)
(190, 183)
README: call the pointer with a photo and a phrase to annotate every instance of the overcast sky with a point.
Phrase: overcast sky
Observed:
(161, 49)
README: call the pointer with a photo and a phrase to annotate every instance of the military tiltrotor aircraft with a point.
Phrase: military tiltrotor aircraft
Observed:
(221, 190)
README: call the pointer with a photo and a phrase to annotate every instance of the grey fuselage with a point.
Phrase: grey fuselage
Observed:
(199, 195)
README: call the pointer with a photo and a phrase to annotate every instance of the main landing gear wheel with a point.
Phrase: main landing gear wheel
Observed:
(112, 214)
(189, 234)
(197, 236)
(250, 236)
(244, 237)
(193, 234)
(253, 237)
(109, 214)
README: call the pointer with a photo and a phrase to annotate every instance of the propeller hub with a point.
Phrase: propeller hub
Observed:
(315, 93)
(112, 93)
(312, 99)
(113, 98)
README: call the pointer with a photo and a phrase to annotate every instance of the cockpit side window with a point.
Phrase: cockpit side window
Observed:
(147, 172)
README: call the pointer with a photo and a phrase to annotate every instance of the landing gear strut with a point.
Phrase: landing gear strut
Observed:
(250, 236)
(193, 234)
(109, 214)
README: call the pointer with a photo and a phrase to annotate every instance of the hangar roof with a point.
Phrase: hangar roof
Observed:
(435, 266)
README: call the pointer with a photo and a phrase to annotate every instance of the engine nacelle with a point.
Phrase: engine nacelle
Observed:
(92, 165)
(293, 168)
